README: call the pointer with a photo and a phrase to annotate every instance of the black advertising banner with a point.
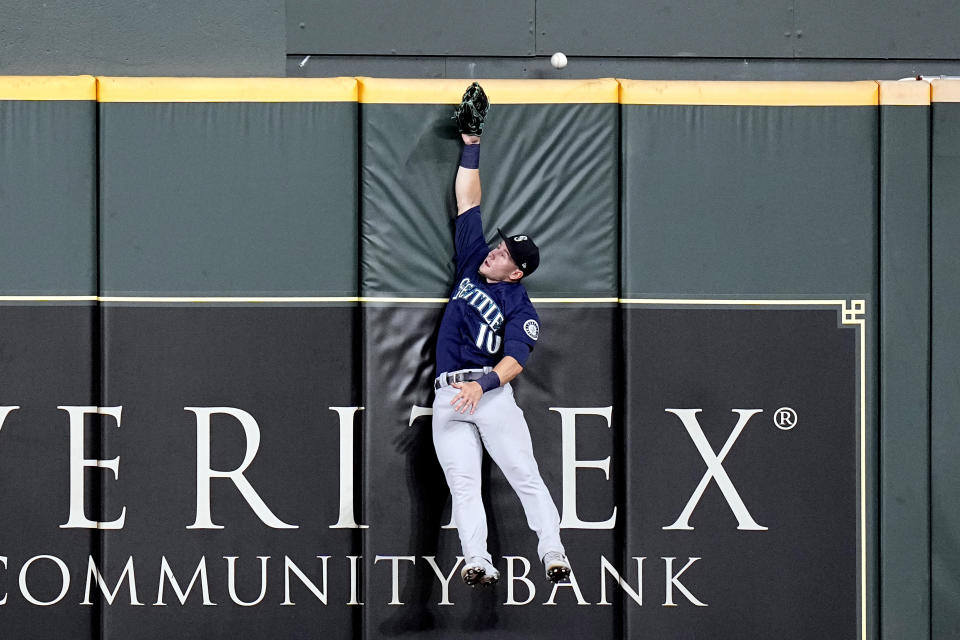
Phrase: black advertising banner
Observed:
(745, 474)
(228, 422)
(47, 360)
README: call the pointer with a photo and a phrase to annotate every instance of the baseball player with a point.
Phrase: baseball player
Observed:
(488, 330)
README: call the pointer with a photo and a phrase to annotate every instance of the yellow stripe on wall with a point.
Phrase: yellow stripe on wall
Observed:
(48, 88)
(945, 90)
(411, 91)
(781, 94)
(227, 89)
(905, 92)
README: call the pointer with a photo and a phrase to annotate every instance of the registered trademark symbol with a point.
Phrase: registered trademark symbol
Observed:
(785, 418)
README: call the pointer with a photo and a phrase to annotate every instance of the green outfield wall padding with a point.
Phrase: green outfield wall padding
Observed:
(945, 354)
(904, 369)
(548, 170)
(48, 192)
(747, 201)
(742, 395)
(228, 199)
(751, 203)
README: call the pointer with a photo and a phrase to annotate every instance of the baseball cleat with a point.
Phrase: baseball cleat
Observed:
(557, 566)
(479, 571)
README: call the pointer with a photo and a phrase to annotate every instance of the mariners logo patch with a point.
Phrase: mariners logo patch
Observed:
(532, 328)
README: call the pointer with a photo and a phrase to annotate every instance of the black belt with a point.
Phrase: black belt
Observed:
(464, 375)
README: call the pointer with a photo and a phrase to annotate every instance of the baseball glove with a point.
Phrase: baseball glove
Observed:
(472, 110)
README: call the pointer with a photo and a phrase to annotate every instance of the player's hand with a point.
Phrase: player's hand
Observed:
(468, 398)
(468, 139)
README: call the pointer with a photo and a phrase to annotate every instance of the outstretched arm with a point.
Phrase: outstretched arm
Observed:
(468, 175)
(470, 392)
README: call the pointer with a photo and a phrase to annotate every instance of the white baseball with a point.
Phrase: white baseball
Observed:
(558, 60)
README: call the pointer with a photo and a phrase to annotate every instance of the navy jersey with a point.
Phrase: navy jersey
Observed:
(483, 322)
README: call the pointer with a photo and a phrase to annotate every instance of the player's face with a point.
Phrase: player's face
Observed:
(499, 266)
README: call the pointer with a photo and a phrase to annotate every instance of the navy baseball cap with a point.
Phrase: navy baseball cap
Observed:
(523, 251)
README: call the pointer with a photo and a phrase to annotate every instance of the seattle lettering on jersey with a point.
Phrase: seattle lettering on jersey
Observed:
(479, 300)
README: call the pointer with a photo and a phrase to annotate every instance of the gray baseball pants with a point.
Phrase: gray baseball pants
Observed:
(499, 426)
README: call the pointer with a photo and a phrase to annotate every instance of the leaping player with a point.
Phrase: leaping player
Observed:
(488, 330)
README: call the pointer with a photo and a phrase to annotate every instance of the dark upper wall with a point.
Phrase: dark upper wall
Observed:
(613, 28)
(142, 37)
(675, 68)
(733, 39)
(661, 39)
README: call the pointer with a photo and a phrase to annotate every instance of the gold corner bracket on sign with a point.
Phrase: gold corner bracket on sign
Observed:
(854, 312)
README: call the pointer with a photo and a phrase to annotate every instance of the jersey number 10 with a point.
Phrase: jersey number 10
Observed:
(491, 339)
